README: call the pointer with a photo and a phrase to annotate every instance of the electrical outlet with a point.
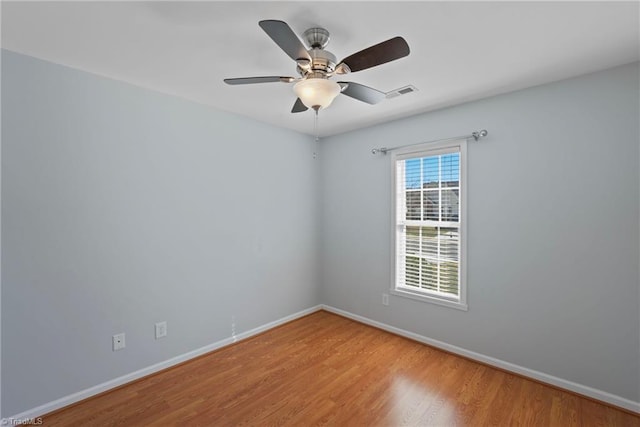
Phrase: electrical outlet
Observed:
(385, 299)
(118, 342)
(161, 329)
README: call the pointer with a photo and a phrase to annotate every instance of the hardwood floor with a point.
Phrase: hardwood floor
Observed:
(325, 369)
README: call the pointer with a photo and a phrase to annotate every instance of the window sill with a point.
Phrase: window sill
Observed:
(430, 299)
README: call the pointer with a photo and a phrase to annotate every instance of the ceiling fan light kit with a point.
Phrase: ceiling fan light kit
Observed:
(316, 66)
(317, 93)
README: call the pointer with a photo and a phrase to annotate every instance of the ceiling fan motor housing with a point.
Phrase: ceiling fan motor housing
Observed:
(323, 62)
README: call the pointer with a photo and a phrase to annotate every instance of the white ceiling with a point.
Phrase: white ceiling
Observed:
(460, 51)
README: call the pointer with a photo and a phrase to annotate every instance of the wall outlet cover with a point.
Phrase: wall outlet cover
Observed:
(161, 329)
(118, 342)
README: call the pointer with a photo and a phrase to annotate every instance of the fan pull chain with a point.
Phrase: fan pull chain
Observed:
(315, 132)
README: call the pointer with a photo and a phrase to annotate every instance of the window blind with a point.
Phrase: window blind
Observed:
(428, 223)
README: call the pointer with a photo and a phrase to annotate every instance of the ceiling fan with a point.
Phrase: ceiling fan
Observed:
(316, 66)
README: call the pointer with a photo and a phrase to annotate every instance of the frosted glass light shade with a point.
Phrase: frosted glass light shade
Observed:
(316, 93)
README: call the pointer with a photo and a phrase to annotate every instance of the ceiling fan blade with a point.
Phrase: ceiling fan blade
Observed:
(284, 37)
(251, 80)
(299, 107)
(381, 53)
(362, 93)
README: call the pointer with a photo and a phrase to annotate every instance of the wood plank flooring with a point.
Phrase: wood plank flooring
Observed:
(324, 369)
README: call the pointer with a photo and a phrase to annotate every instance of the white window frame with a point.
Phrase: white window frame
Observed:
(426, 150)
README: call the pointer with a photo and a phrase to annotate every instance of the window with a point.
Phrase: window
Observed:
(429, 199)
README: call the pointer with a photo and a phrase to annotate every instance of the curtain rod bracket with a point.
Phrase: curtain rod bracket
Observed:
(478, 135)
(382, 150)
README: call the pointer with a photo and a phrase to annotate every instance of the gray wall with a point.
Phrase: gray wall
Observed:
(123, 207)
(553, 223)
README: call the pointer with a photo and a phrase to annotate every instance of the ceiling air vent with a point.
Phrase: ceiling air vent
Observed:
(401, 91)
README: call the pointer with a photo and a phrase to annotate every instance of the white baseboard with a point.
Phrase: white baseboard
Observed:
(530, 373)
(108, 385)
(539, 376)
